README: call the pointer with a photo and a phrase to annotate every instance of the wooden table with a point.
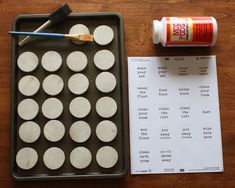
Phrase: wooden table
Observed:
(138, 15)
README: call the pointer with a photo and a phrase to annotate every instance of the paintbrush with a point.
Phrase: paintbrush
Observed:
(58, 16)
(74, 37)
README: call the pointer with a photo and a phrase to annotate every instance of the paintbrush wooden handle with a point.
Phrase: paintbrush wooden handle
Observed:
(51, 35)
(78, 37)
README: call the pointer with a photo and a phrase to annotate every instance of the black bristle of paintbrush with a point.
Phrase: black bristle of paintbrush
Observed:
(60, 14)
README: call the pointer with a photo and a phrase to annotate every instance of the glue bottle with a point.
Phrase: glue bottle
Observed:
(185, 31)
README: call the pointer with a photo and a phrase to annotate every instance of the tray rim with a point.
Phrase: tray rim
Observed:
(124, 101)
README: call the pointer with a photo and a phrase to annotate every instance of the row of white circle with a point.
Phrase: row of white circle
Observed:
(103, 34)
(54, 157)
(79, 107)
(54, 131)
(76, 61)
(78, 84)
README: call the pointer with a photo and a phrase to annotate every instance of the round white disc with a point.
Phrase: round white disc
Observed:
(80, 131)
(51, 61)
(53, 84)
(29, 85)
(54, 130)
(27, 61)
(77, 61)
(80, 107)
(104, 59)
(54, 158)
(26, 158)
(80, 157)
(78, 84)
(28, 109)
(79, 29)
(29, 131)
(103, 35)
(106, 107)
(52, 108)
(106, 131)
(105, 82)
(107, 157)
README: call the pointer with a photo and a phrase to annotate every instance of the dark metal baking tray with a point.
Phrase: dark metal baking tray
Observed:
(64, 47)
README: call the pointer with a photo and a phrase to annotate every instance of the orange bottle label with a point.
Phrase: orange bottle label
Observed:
(189, 31)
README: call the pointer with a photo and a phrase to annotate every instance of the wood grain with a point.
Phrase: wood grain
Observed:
(138, 15)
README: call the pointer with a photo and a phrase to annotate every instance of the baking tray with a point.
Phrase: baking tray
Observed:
(64, 47)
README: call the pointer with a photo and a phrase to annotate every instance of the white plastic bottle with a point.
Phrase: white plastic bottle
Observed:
(185, 31)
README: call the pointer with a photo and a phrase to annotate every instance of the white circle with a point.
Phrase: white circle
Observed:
(54, 158)
(80, 131)
(106, 131)
(103, 35)
(54, 130)
(29, 131)
(80, 157)
(53, 84)
(107, 157)
(77, 61)
(78, 84)
(79, 29)
(28, 109)
(29, 85)
(80, 107)
(26, 158)
(52, 108)
(51, 61)
(27, 61)
(104, 59)
(106, 107)
(105, 82)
